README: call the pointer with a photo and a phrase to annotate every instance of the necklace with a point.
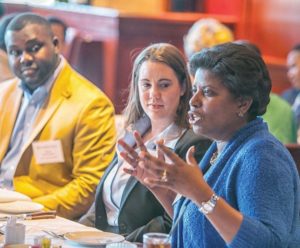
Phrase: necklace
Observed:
(214, 158)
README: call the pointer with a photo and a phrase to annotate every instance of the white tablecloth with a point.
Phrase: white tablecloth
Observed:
(58, 225)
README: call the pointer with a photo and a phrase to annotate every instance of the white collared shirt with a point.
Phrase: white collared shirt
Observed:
(117, 179)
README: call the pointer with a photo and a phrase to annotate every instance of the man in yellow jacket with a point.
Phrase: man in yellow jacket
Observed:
(57, 130)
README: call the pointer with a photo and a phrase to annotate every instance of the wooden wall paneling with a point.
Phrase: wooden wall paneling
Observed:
(96, 26)
(134, 6)
(237, 8)
(120, 34)
(110, 86)
(273, 25)
(294, 149)
(87, 58)
(15, 8)
(223, 7)
(98, 23)
(244, 26)
(137, 32)
(278, 74)
(277, 25)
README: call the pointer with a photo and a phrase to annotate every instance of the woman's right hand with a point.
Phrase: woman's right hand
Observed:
(164, 195)
(132, 157)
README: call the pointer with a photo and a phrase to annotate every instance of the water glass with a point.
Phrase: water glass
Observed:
(156, 240)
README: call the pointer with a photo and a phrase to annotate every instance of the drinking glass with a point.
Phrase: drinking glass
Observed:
(156, 240)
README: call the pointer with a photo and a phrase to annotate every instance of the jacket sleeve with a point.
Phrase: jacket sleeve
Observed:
(161, 224)
(88, 219)
(190, 139)
(268, 197)
(92, 150)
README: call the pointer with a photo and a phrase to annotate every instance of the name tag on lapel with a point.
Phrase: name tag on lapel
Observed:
(48, 152)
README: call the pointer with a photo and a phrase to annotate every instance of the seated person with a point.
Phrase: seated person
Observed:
(59, 29)
(1, 10)
(292, 94)
(207, 33)
(279, 115)
(5, 71)
(246, 190)
(57, 129)
(281, 119)
(158, 102)
(204, 33)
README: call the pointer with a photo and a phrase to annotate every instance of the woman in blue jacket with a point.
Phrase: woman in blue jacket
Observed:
(245, 191)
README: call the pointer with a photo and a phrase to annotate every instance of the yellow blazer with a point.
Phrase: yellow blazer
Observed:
(81, 117)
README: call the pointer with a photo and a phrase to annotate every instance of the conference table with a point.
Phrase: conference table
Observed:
(36, 229)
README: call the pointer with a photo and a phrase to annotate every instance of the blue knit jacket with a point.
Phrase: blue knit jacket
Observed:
(256, 175)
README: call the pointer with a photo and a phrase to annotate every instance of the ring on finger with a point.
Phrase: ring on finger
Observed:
(164, 177)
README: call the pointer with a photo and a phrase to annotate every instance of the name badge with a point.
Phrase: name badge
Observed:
(48, 152)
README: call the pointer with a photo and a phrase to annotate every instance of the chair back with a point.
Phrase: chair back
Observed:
(72, 35)
(294, 149)
(86, 56)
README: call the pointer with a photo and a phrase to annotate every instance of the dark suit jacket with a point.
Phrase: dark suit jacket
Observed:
(140, 211)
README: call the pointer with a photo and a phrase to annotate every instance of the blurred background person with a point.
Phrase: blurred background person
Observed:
(59, 28)
(1, 10)
(57, 128)
(293, 66)
(157, 107)
(292, 94)
(246, 191)
(206, 32)
(5, 71)
(279, 115)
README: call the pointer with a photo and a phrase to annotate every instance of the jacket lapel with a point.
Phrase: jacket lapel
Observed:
(9, 115)
(107, 171)
(99, 203)
(128, 188)
(129, 185)
(142, 126)
(57, 95)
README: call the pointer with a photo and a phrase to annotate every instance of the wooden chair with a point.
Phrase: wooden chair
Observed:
(86, 57)
(72, 35)
(294, 149)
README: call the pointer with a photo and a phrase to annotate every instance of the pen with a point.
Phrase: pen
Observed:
(40, 215)
(32, 216)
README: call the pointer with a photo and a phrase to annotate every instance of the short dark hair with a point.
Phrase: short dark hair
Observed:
(23, 19)
(56, 20)
(241, 70)
(249, 44)
(5, 20)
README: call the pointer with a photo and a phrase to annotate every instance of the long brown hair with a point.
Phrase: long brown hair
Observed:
(172, 57)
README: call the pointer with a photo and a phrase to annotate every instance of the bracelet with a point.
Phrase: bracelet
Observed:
(209, 206)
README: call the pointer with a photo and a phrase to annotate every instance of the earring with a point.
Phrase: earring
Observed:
(240, 114)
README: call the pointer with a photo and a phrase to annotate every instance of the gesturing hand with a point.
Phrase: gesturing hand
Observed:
(132, 157)
(184, 178)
